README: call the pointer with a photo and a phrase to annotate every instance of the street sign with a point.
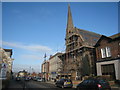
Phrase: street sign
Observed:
(53, 72)
(3, 73)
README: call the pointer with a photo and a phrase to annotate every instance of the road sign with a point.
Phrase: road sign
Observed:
(3, 73)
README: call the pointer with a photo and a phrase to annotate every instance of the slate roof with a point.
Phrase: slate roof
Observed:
(115, 36)
(89, 37)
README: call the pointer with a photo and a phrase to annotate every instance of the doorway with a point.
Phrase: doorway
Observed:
(108, 69)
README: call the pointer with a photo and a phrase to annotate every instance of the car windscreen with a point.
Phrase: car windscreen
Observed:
(103, 82)
(68, 80)
(88, 82)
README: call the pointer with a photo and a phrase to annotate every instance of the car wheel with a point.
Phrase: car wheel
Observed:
(62, 86)
(78, 88)
(55, 85)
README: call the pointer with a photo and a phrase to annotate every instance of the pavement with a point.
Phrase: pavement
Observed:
(117, 87)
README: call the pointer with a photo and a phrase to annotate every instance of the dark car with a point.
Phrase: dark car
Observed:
(18, 78)
(27, 78)
(39, 79)
(64, 83)
(94, 84)
(34, 78)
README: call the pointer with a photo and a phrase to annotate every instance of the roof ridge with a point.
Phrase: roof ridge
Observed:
(115, 36)
(88, 31)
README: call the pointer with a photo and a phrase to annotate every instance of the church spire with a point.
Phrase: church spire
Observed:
(69, 21)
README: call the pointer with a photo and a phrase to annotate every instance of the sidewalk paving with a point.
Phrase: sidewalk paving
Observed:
(51, 82)
(115, 87)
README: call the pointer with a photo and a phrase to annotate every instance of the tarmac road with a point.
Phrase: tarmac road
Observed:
(35, 85)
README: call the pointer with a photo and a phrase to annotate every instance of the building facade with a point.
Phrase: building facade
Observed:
(108, 56)
(5, 65)
(78, 59)
(55, 66)
(45, 69)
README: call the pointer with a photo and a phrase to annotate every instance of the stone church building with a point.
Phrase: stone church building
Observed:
(79, 59)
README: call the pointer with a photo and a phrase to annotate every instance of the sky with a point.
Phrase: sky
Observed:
(32, 29)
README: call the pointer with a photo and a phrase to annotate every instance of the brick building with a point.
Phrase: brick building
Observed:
(108, 56)
(78, 59)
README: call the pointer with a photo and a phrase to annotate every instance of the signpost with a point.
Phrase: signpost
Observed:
(3, 72)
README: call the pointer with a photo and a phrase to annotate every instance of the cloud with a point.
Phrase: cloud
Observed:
(31, 57)
(36, 48)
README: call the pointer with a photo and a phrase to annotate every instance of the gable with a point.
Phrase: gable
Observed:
(103, 40)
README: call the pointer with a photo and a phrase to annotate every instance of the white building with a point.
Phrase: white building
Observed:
(55, 65)
(5, 65)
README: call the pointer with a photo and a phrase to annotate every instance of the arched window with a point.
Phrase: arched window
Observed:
(86, 65)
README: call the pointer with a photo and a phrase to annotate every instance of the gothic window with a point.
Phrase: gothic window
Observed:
(86, 65)
(80, 44)
(70, 40)
(75, 38)
(76, 44)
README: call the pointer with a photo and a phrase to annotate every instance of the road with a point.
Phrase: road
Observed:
(34, 85)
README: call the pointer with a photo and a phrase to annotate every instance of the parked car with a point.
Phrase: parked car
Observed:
(18, 78)
(64, 83)
(39, 79)
(94, 84)
(27, 78)
(34, 78)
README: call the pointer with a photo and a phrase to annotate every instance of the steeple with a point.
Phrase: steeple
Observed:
(69, 21)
